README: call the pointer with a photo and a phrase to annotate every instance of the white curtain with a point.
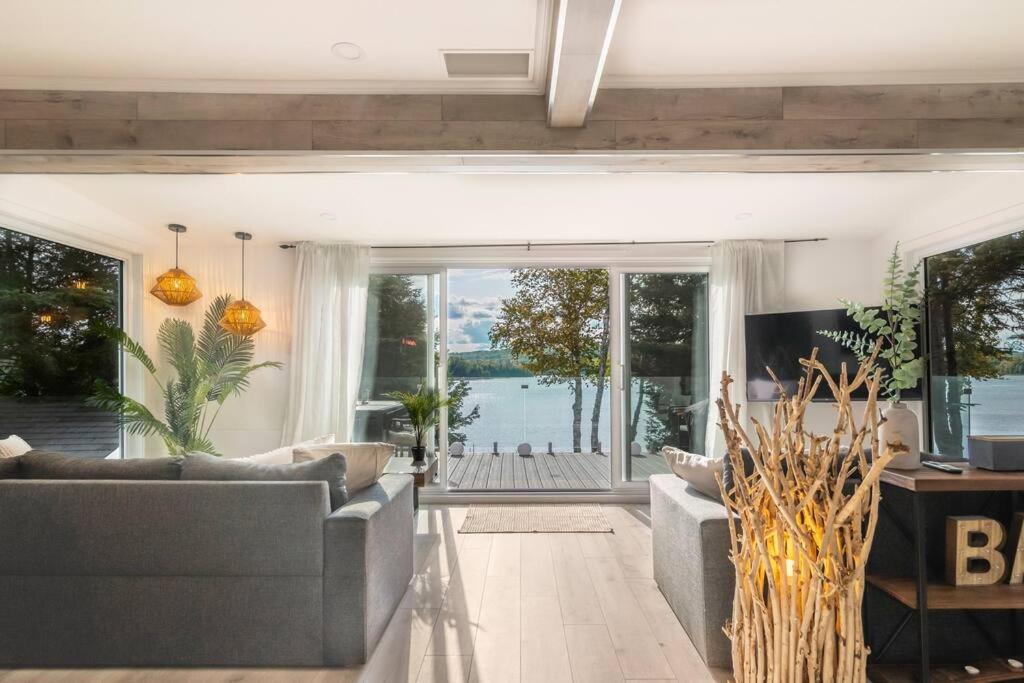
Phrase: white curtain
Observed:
(329, 322)
(747, 276)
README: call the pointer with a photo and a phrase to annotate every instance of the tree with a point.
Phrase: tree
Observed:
(975, 300)
(554, 325)
(55, 303)
(458, 391)
(664, 321)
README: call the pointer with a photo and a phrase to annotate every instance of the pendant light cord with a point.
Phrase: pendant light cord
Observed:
(176, 236)
(243, 270)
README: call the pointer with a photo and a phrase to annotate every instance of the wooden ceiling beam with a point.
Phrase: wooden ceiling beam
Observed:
(583, 32)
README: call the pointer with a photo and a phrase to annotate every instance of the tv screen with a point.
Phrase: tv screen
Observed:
(780, 340)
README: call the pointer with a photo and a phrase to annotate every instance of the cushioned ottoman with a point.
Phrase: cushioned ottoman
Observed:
(691, 563)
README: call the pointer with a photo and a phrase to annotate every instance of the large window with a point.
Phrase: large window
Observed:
(55, 303)
(976, 342)
(400, 354)
(666, 363)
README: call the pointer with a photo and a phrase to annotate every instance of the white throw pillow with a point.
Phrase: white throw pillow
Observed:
(283, 455)
(13, 446)
(696, 470)
(366, 461)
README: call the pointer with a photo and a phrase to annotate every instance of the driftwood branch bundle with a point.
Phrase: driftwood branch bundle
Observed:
(801, 526)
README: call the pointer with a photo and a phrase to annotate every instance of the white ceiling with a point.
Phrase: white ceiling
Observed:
(246, 46)
(242, 45)
(679, 43)
(132, 210)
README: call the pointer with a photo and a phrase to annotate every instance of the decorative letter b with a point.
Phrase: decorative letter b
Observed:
(972, 551)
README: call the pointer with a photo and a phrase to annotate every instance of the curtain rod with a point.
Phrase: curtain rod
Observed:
(531, 245)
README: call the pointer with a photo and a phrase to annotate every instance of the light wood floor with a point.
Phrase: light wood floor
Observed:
(521, 608)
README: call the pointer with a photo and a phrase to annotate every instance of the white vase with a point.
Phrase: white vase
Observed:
(901, 426)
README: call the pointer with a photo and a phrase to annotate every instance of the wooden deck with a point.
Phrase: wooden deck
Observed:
(541, 471)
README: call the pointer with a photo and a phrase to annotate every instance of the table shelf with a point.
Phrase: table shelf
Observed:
(942, 596)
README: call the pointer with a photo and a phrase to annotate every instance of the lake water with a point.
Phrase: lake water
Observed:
(511, 415)
(546, 414)
(999, 406)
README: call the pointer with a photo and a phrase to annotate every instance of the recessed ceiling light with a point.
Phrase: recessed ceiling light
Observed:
(744, 216)
(349, 51)
(328, 216)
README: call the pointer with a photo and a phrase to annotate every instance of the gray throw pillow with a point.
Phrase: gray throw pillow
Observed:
(44, 465)
(206, 467)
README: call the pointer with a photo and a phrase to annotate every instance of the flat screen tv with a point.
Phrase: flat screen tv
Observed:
(780, 340)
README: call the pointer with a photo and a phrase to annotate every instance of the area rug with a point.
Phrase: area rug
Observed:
(525, 519)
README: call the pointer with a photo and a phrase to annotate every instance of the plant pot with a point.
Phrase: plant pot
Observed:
(901, 427)
(419, 455)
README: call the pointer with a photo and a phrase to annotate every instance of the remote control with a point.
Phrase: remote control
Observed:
(942, 467)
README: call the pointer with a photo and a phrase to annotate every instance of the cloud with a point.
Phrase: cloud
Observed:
(478, 332)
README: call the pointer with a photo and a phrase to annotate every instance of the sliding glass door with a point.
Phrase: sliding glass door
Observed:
(665, 368)
(559, 378)
(400, 354)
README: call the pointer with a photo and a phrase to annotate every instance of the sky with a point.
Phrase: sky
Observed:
(474, 298)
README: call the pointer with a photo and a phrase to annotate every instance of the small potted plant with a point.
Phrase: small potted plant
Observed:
(895, 324)
(424, 412)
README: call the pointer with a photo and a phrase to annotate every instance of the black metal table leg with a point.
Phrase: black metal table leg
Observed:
(920, 548)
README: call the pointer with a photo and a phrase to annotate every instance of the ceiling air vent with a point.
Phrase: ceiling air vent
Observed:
(465, 64)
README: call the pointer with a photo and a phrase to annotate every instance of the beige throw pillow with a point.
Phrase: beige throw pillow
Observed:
(283, 455)
(366, 461)
(696, 470)
(13, 446)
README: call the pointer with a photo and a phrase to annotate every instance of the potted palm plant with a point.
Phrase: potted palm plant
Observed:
(424, 412)
(894, 326)
(207, 371)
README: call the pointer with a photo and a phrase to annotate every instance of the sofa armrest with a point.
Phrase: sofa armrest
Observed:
(368, 564)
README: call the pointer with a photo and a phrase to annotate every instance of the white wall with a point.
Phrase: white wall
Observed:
(250, 423)
(817, 275)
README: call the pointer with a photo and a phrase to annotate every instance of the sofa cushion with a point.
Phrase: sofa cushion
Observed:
(366, 461)
(283, 455)
(696, 470)
(13, 446)
(205, 467)
(44, 465)
(9, 467)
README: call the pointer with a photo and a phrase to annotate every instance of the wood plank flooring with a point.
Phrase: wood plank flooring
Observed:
(541, 471)
(494, 608)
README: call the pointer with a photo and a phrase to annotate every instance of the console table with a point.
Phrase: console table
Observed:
(920, 595)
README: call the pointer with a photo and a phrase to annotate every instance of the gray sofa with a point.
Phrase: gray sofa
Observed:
(690, 535)
(198, 573)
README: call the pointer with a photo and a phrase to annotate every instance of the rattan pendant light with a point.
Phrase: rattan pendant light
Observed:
(241, 317)
(176, 287)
